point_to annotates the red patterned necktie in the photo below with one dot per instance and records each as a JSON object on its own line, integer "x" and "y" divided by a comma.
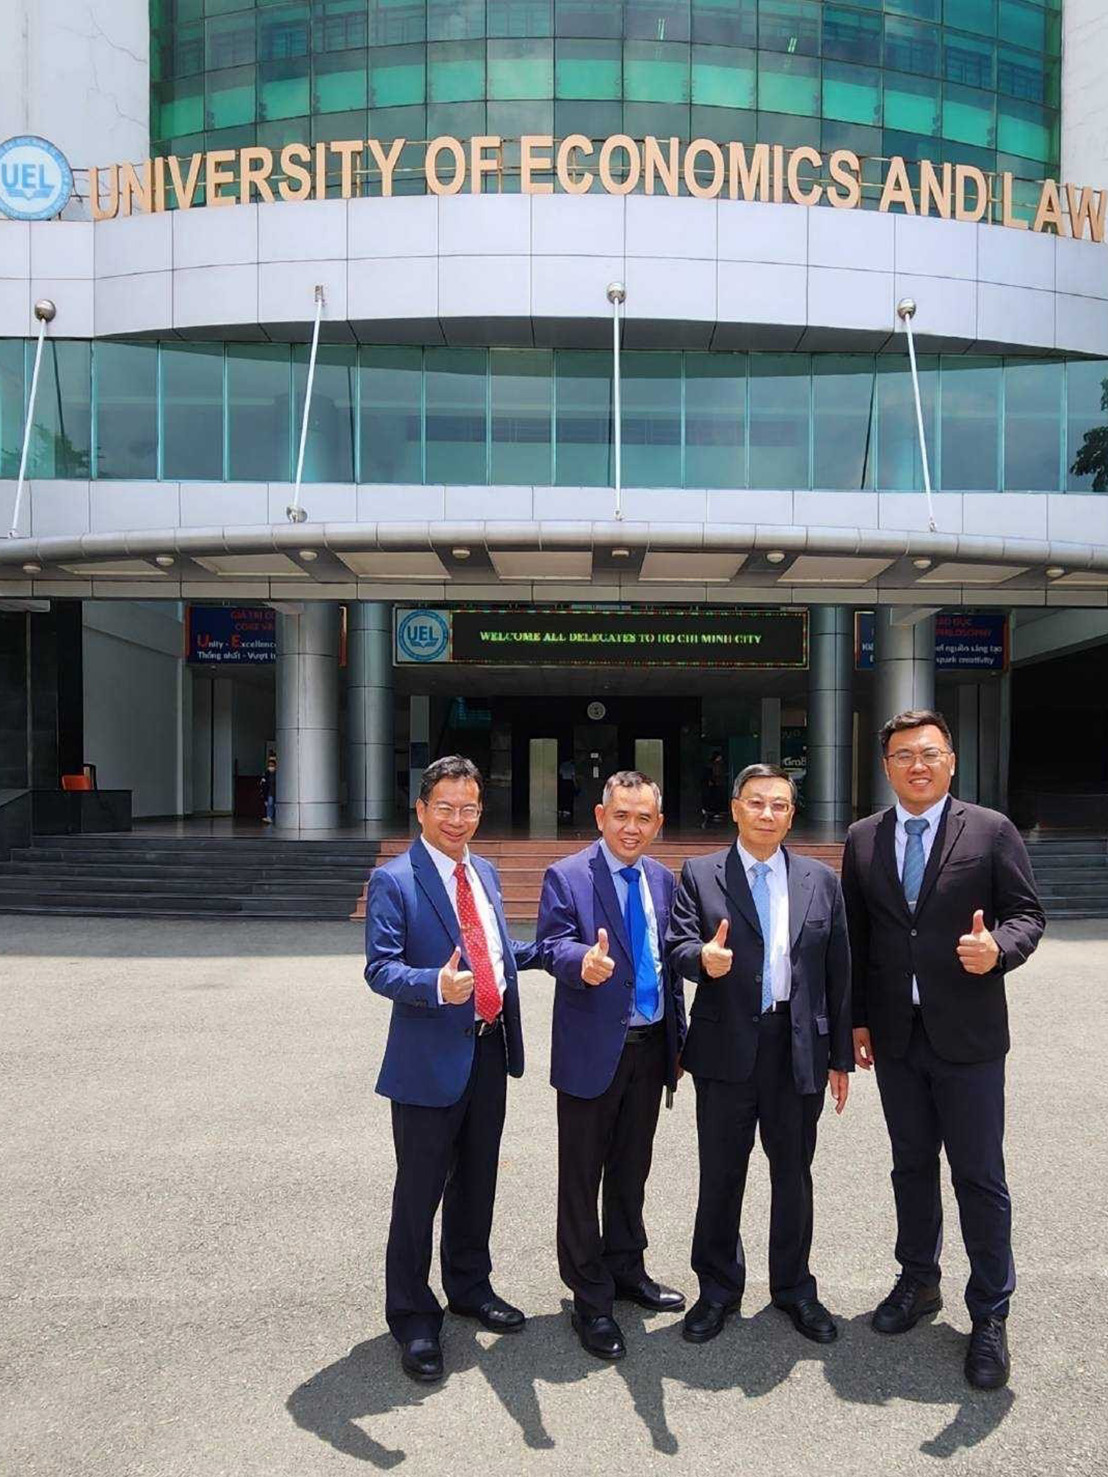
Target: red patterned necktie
{"x": 486, "y": 997}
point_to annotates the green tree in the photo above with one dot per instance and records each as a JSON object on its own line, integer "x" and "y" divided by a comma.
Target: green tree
{"x": 1092, "y": 459}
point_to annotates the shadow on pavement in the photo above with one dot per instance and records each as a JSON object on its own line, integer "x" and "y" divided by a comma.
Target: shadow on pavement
{"x": 752, "y": 1355}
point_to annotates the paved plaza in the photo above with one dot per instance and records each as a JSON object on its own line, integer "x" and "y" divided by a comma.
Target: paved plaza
{"x": 195, "y": 1190}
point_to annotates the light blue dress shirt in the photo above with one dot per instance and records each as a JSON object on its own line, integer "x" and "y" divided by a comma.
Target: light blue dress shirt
{"x": 614, "y": 865}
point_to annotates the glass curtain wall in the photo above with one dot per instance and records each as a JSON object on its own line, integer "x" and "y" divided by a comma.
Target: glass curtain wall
{"x": 964, "y": 81}
{"x": 485, "y": 417}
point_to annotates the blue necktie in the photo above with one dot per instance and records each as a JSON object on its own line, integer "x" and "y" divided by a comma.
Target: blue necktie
{"x": 646, "y": 981}
{"x": 914, "y": 860}
{"x": 762, "y": 901}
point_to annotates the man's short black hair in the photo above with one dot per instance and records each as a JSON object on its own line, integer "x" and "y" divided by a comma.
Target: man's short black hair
{"x": 452, "y": 767}
{"x": 915, "y": 718}
{"x": 630, "y": 779}
{"x": 762, "y": 772}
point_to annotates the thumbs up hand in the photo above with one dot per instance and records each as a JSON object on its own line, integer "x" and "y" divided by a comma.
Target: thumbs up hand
{"x": 455, "y": 985}
{"x": 597, "y": 965}
{"x": 715, "y": 956}
{"x": 978, "y": 950}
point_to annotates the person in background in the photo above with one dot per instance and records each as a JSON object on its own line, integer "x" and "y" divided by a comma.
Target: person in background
{"x": 269, "y": 790}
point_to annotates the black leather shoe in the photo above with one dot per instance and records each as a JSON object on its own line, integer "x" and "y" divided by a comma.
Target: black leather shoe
{"x": 908, "y": 1302}
{"x": 422, "y": 1360}
{"x": 652, "y": 1295}
{"x": 812, "y": 1319}
{"x": 705, "y": 1319}
{"x": 988, "y": 1364}
{"x": 599, "y": 1336}
{"x": 496, "y": 1315}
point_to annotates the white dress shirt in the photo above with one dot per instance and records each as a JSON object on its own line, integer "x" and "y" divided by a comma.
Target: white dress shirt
{"x": 620, "y": 883}
{"x": 900, "y": 841}
{"x": 445, "y": 865}
{"x": 777, "y": 881}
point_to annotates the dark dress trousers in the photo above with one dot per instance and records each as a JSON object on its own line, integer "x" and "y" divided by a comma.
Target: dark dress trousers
{"x": 940, "y": 1067}
{"x": 447, "y": 1085}
{"x": 609, "y": 1088}
{"x": 760, "y": 1071}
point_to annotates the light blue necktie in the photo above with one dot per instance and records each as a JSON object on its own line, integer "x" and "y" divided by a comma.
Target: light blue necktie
{"x": 646, "y": 981}
{"x": 763, "y": 902}
{"x": 914, "y": 859}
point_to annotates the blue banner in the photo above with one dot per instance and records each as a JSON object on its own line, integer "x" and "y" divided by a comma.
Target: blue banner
{"x": 965, "y": 640}
{"x": 221, "y": 635}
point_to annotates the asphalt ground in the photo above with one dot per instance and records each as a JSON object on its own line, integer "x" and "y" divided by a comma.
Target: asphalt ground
{"x": 196, "y": 1177}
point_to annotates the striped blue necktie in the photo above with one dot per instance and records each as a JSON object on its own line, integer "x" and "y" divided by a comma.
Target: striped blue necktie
{"x": 764, "y": 903}
{"x": 914, "y": 860}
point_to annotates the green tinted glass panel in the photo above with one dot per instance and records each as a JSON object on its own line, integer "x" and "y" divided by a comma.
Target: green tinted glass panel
{"x": 851, "y": 94}
{"x": 588, "y": 69}
{"x": 851, "y": 35}
{"x": 283, "y": 32}
{"x": 969, "y": 61}
{"x": 192, "y": 411}
{"x": 455, "y": 20}
{"x": 1087, "y": 426}
{"x": 1032, "y": 426}
{"x": 11, "y": 405}
{"x": 339, "y": 25}
{"x": 61, "y": 438}
{"x": 126, "y": 410}
{"x": 1025, "y": 129}
{"x": 583, "y": 391}
{"x": 258, "y": 413}
{"x": 231, "y": 98}
{"x": 329, "y": 449}
{"x": 521, "y": 69}
{"x": 283, "y": 90}
{"x": 791, "y": 26}
{"x": 971, "y": 15}
{"x": 788, "y": 84}
{"x": 457, "y": 415}
{"x": 455, "y": 73}
{"x": 396, "y": 22}
{"x": 230, "y": 41}
{"x": 911, "y": 46}
{"x": 180, "y": 107}
{"x": 522, "y": 416}
{"x": 899, "y": 468}
{"x": 843, "y": 412}
{"x": 586, "y": 18}
{"x": 519, "y": 17}
{"x": 725, "y": 22}
{"x": 924, "y": 10}
{"x": 715, "y": 420}
{"x": 340, "y": 81}
{"x": 970, "y": 425}
{"x": 655, "y": 72}
{"x": 1032, "y": 78}
{"x": 724, "y": 77}
{"x": 656, "y": 20}
{"x": 651, "y": 416}
{"x": 779, "y": 420}
{"x": 397, "y": 76}
{"x": 969, "y": 116}
{"x": 1024, "y": 25}
{"x": 391, "y": 415}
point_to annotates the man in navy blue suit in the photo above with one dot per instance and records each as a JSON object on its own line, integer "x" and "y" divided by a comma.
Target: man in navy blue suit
{"x": 763, "y": 932}
{"x": 437, "y": 946}
{"x": 619, "y": 1023}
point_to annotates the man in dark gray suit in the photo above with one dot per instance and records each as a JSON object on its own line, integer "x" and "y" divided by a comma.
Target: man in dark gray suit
{"x": 763, "y": 932}
{"x": 942, "y": 905}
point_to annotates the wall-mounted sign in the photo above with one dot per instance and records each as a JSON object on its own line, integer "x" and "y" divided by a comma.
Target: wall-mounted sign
{"x": 619, "y": 165}
{"x": 965, "y": 640}
{"x": 232, "y": 635}
{"x": 592, "y": 636}
{"x": 35, "y": 179}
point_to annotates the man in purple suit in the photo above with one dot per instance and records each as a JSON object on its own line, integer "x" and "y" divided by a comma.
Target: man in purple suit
{"x": 619, "y": 1025}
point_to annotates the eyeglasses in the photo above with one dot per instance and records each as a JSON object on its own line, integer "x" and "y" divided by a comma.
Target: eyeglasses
{"x": 904, "y": 758}
{"x": 755, "y": 807}
{"x": 443, "y": 812}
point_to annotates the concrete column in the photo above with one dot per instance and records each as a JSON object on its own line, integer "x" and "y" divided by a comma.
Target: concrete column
{"x": 904, "y": 663}
{"x": 830, "y": 715}
{"x": 369, "y": 703}
{"x": 308, "y": 718}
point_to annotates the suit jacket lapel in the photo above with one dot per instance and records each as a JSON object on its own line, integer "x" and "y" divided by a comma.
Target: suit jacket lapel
{"x": 427, "y": 875}
{"x": 800, "y": 895}
{"x": 657, "y": 896}
{"x": 885, "y": 846}
{"x": 951, "y": 824}
{"x": 732, "y": 879}
{"x": 609, "y": 902}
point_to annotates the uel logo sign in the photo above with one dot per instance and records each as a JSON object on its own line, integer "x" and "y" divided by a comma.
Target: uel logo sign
{"x": 35, "y": 179}
{"x": 422, "y": 636}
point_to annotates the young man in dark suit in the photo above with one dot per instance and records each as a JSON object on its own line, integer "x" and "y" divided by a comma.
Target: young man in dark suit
{"x": 619, "y": 1023}
{"x": 942, "y": 905}
{"x": 763, "y": 931}
{"x": 437, "y": 946}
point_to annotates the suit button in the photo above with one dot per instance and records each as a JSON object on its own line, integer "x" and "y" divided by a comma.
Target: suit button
{"x": 757, "y": 979}
{"x": 629, "y": 984}
{"x": 755, "y": 1019}
{"x": 625, "y": 1020}
{"x": 469, "y": 1030}
{"x": 915, "y": 933}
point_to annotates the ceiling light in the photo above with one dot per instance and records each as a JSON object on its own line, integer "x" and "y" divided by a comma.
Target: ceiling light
{"x": 32, "y": 569}
{"x": 1054, "y": 571}
{"x": 309, "y": 556}
{"x": 166, "y": 561}
{"x": 460, "y": 553}
{"x": 621, "y": 553}
{"x": 775, "y": 556}
{"x": 921, "y": 563}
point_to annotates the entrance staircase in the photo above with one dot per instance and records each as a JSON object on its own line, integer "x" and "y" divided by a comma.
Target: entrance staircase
{"x": 1072, "y": 874}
